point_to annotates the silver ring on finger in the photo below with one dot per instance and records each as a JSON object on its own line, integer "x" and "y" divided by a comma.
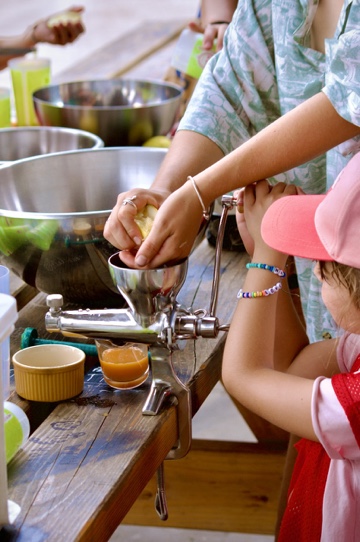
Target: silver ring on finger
{"x": 130, "y": 201}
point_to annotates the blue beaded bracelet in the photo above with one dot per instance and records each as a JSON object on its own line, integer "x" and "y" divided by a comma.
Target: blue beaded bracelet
{"x": 272, "y": 268}
{"x": 262, "y": 293}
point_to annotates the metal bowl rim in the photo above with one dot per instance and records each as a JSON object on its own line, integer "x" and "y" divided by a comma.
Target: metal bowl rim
{"x": 99, "y": 143}
{"x": 63, "y": 216}
{"x": 38, "y": 101}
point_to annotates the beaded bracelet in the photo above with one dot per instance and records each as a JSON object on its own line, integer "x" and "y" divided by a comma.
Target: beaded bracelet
{"x": 206, "y": 213}
{"x": 262, "y": 293}
{"x": 272, "y": 268}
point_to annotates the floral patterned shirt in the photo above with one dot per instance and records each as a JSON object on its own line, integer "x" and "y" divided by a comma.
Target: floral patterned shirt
{"x": 265, "y": 69}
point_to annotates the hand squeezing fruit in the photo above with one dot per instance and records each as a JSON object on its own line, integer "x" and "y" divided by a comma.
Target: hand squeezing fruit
{"x": 144, "y": 219}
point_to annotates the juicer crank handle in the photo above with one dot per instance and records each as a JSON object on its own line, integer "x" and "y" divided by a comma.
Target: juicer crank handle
{"x": 228, "y": 203}
{"x": 166, "y": 384}
{"x": 160, "y": 498}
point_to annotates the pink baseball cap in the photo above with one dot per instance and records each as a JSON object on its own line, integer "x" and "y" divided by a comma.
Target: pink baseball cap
{"x": 319, "y": 227}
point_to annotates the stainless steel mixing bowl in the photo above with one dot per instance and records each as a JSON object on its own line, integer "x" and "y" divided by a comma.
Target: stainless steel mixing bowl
{"x": 52, "y": 213}
{"x": 120, "y": 111}
{"x": 24, "y": 142}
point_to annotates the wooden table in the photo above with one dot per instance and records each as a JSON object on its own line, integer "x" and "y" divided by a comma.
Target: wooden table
{"x": 89, "y": 459}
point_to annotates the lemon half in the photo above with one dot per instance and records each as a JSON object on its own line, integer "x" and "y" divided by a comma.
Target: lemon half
{"x": 64, "y": 18}
{"x": 145, "y": 218}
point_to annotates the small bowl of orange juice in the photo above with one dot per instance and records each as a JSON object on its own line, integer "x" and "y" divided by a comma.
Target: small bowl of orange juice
{"x": 123, "y": 367}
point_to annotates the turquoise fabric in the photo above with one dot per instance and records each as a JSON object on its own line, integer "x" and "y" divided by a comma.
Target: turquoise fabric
{"x": 267, "y": 68}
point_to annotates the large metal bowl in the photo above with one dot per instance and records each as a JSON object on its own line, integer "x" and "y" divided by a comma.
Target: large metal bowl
{"x": 52, "y": 213}
{"x": 120, "y": 111}
{"x": 24, "y": 142}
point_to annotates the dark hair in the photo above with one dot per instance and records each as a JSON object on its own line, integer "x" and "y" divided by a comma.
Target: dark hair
{"x": 345, "y": 275}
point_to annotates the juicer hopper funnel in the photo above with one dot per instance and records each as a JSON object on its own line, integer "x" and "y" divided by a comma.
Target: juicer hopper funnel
{"x": 148, "y": 292}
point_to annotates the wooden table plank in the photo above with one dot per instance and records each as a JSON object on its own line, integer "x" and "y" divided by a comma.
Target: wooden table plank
{"x": 124, "y": 53}
{"x": 83, "y": 465}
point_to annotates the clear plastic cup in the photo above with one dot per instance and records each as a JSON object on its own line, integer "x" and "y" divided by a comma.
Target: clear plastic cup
{"x": 123, "y": 367}
{"x": 5, "y": 108}
{"x": 189, "y": 56}
{"x": 28, "y": 75}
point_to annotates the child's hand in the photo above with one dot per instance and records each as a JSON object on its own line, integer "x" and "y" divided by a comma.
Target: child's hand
{"x": 241, "y": 222}
{"x": 257, "y": 199}
{"x": 212, "y": 33}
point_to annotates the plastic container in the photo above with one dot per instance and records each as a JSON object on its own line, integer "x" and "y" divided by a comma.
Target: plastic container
{"x": 5, "y": 108}
{"x": 189, "y": 56}
{"x": 28, "y": 75}
{"x": 8, "y": 316}
{"x": 17, "y": 429}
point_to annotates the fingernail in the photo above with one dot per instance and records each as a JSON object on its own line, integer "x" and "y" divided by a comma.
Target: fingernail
{"x": 137, "y": 241}
{"x": 141, "y": 260}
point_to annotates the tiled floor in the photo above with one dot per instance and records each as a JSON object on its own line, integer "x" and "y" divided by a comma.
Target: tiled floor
{"x": 105, "y": 21}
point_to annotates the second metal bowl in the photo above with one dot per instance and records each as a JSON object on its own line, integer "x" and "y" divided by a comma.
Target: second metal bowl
{"x": 24, "y": 142}
{"x": 120, "y": 111}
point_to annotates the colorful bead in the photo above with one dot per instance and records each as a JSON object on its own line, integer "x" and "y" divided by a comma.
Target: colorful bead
{"x": 263, "y": 293}
{"x": 272, "y": 268}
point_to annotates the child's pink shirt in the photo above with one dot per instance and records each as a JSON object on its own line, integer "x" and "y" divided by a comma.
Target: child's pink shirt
{"x": 341, "y": 503}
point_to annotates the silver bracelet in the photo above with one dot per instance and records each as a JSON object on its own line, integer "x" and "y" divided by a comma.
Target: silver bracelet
{"x": 205, "y": 213}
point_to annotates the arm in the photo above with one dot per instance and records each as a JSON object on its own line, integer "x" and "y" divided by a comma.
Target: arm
{"x": 307, "y": 131}
{"x": 39, "y": 32}
{"x": 189, "y": 154}
{"x": 213, "y": 11}
{"x": 267, "y": 365}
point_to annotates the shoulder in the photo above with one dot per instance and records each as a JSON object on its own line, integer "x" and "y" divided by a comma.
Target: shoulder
{"x": 348, "y": 350}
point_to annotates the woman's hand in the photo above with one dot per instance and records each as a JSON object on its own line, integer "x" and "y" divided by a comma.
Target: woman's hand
{"x": 120, "y": 229}
{"x": 60, "y": 33}
{"x": 173, "y": 233}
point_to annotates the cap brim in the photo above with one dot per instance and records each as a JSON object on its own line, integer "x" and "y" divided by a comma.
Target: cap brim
{"x": 288, "y": 226}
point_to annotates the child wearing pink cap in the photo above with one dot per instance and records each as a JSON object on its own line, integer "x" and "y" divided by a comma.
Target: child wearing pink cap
{"x": 311, "y": 390}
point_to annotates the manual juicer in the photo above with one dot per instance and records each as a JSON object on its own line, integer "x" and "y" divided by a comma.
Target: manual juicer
{"x": 153, "y": 318}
